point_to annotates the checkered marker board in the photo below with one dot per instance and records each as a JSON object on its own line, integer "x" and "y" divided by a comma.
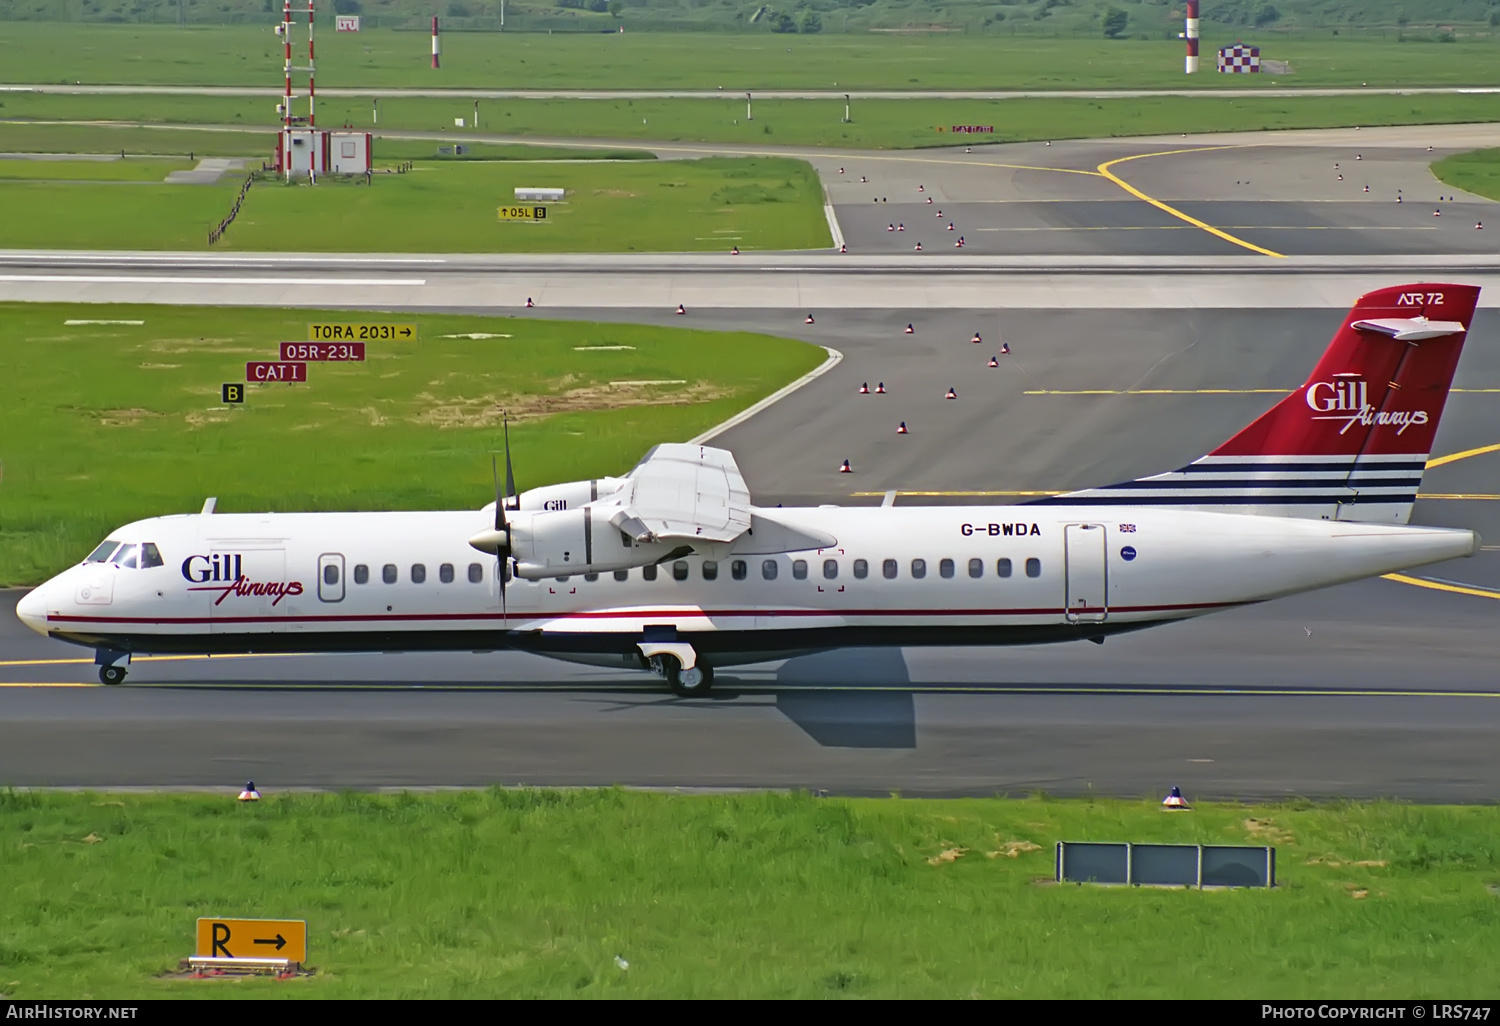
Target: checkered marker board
{"x": 1239, "y": 59}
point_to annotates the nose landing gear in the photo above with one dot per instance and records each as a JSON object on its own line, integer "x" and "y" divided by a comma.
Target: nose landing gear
{"x": 111, "y": 665}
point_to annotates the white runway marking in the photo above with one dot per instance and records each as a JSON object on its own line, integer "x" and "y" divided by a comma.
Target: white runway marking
{"x": 136, "y": 279}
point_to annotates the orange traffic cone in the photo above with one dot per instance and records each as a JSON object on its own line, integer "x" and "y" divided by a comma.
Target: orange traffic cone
{"x": 900, "y": 227}
{"x": 909, "y": 330}
{"x": 1367, "y": 188}
{"x": 902, "y": 429}
{"x": 862, "y": 178}
{"x": 976, "y": 339}
{"x": 890, "y": 227}
{"x": 864, "y": 389}
{"x": 735, "y": 251}
{"x": 951, "y": 394}
{"x": 921, "y": 188}
{"x": 529, "y": 303}
{"x": 846, "y": 469}
{"x": 929, "y": 199}
{"x": 950, "y": 226}
{"x": 841, "y": 170}
{"x": 843, "y": 247}
{"x": 880, "y": 388}
{"x": 994, "y": 362}
{"x": 918, "y": 247}
{"x": 1341, "y": 178}
{"x": 1004, "y": 348}
{"x": 939, "y": 213}
{"x": 1175, "y": 800}
{"x": 681, "y": 309}
{"x": 808, "y": 319}
{"x": 1437, "y": 213}
{"x": 1359, "y": 156}
{"x": 249, "y": 794}
{"x": 1479, "y": 225}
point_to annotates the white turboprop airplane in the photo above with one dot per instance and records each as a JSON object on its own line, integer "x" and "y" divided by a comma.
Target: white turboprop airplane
{"x": 672, "y": 568}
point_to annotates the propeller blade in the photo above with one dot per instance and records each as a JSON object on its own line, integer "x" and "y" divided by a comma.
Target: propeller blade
{"x": 495, "y": 477}
{"x": 510, "y": 477}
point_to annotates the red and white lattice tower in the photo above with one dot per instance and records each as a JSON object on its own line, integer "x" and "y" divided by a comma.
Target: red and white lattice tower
{"x": 1190, "y": 33}
{"x": 297, "y": 130}
{"x": 434, "y": 41}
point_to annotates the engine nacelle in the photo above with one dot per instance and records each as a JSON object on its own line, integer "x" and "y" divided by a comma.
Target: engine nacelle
{"x": 577, "y": 541}
{"x": 569, "y": 495}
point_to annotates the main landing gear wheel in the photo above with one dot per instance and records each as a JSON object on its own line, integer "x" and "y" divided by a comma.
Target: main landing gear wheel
{"x": 687, "y": 683}
{"x": 112, "y": 674}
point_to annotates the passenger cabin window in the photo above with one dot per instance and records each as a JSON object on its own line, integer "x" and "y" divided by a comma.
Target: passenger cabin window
{"x": 445, "y": 573}
{"x": 1002, "y": 567}
{"x": 738, "y": 569}
{"x": 476, "y": 573}
{"x": 888, "y": 568}
{"x": 331, "y": 574}
{"x": 361, "y": 574}
{"x": 103, "y": 552}
{"x": 768, "y": 569}
{"x": 919, "y": 568}
{"x": 799, "y": 569}
{"x": 648, "y": 573}
{"x": 861, "y": 568}
{"x": 128, "y": 556}
{"x": 150, "y": 556}
{"x": 680, "y": 570}
{"x": 976, "y": 568}
{"x": 945, "y": 568}
{"x": 388, "y": 573}
{"x": 622, "y": 575}
{"x": 419, "y": 573}
{"x": 710, "y": 570}
{"x": 1033, "y": 567}
{"x": 830, "y": 569}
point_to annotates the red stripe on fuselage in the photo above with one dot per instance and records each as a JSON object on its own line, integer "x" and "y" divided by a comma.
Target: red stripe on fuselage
{"x": 623, "y": 614}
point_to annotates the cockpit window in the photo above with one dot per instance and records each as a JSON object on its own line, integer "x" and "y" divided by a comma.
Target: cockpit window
{"x": 150, "y": 556}
{"x": 103, "y": 552}
{"x": 128, "y": 556}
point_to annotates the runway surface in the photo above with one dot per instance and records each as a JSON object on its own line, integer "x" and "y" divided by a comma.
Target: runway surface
{"x": 1135, "y": 352}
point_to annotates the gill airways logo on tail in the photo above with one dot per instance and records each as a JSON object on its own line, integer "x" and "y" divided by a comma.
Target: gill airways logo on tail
{"x": 1349, "y": 401}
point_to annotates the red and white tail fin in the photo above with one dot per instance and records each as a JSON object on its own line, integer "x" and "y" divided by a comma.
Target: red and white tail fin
{"x": 1352, "y": 442}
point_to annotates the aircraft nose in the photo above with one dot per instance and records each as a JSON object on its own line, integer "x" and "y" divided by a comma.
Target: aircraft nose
{"x": 32, "y": 609}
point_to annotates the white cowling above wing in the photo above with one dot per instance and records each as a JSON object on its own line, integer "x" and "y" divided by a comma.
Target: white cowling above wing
{"x": 688, "y": 493}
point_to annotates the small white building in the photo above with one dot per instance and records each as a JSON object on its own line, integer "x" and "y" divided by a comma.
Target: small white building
{"x": 349, "y": 153}
{"x": 542, "y": 195}
{"x": 301, "y": 151}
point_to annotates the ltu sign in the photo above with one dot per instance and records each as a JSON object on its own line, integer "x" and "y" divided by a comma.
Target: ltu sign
{"x": 346, "y": 23}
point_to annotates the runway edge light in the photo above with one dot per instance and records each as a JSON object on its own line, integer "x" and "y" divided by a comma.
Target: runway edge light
{"x": 1175, "y": 800}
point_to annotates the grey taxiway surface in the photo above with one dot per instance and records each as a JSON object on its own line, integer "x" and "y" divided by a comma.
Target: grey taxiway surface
{"x": 1123, "y": 362}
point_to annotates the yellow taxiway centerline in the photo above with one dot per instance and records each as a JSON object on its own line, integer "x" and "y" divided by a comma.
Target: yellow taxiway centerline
{"x": 1104, "y": 169}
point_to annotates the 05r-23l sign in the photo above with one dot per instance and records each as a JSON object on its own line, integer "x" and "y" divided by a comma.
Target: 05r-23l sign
{"x": 523, "y": 213}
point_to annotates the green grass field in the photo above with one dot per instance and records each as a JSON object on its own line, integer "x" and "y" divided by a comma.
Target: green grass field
{"x": 101, "y": 424}
{"x": 536, "y": 893}
{"x": 249, "y": 55}
{"x": 1477, "y": 172}
{"x": 439, "y": 206}
{"x": 877, "y": 124}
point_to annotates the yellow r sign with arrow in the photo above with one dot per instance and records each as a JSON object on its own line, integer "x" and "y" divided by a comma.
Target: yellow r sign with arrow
{"x": 253, "y": 938}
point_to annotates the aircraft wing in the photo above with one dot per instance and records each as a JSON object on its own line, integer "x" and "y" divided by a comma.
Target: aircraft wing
{"x": 687, "y": 492}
